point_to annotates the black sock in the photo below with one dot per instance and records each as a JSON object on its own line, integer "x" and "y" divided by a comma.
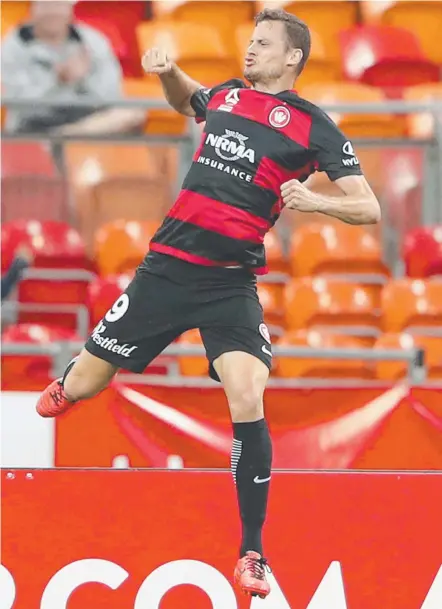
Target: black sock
{"x": 251, "y": 462}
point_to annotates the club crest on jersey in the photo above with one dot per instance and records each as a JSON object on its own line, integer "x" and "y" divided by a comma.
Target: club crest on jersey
{"x": 264, "y": 331}
{"x": 279, "y": 117}
{"x": 231, "y": 146}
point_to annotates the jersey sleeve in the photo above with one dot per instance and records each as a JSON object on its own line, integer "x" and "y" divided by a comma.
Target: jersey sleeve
{"x": 201, "y": 98}
{"x": 333, "y": 151}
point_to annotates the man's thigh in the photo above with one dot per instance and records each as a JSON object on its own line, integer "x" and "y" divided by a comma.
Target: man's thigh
{"x": 142, "y": 322}
{"x": 236, "y": 325}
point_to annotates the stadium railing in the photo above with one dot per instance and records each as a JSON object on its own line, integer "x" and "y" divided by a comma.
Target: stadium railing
{"x": 62, "y": 353}
{"x": 430, "y": 211}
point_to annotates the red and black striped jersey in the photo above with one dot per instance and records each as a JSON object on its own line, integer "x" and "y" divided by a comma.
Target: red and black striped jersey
{"x": 252, "y": 143}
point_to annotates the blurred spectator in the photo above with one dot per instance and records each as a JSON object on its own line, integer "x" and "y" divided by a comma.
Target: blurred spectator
{"x": 52, "y": 58}
{"x": 23, "y": 259}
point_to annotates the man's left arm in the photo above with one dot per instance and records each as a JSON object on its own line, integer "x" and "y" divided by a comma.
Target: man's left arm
{"x": 357, "y": 204}
{"x": 334, "y": 154}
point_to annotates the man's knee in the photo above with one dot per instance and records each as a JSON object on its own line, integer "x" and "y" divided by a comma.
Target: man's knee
{"x": 87, "y": 377}
{"x": 246, "y": 405}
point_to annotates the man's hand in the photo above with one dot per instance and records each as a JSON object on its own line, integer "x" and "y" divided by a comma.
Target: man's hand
{"x": 296, "y": 196}
{"x": 75, "y": 68}
{"x": 156, "y": 61}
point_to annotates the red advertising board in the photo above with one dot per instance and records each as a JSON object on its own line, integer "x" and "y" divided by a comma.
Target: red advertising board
{"x": 316, "y": 428}
{"x": 139, "y": 539}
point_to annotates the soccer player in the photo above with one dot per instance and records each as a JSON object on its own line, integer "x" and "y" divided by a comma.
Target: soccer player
{"x": 259, "y": 145}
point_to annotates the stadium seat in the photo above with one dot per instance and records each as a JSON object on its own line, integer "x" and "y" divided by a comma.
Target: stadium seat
{"x": 192, "y": 365}
{"x": 338, "y": 307}
{"x": 423, "y": 18}
{"x": 413, "y": 305}
{"x": 102, "y": 293}
{"x": 207, "y": 13}
{"x": 340, "y": 251}
{"x": 33, "y": 367}
{"x": 124, "y": 16}
{"x": 54, "y": 291}
{"x": 395, "y": 370}
{"x": 12, "y": 14}
{"x": 276, "y": 261}
{"x": 385, "y": 57}
{"x": 114, "y": 181}
{"x": 401, "y": 174}
{"x": 320, "y": 67}
{"x": 421, "y": 125}
{"x": 114, "y": 36}
{"x": 55, "y": 244}
{"x": 372, "y": 10}
{"x": 353, "y": 124}
{"x": 271, "y": 297}
{"x": 31, "y": 185}
{"x": 121, "y": 245}
{"x": 422, "y": 252}
{"x": 198, "y": 49}
{"x": 55, "y": 297}
{"x": 324, "y": 17}
{"x": 323, "y": 368}
{"x": 158, "y": 122}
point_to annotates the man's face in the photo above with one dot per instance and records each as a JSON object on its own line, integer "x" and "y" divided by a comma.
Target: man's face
{"x": 268, "y": 53}
{"x": 52, "y": 16}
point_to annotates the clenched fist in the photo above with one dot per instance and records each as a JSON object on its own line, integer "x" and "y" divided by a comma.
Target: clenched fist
{"x": 297, "y": 196}
{"x": 156, "y": 61}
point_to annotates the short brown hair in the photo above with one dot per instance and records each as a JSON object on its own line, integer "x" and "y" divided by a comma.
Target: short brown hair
{"x": 298, "y": 33}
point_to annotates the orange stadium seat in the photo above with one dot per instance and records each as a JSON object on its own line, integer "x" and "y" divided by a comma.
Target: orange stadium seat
{"x": 324, "y": 17}
{"x": 414, "y": 305}
{"x": 386, "y": 57}
{"x": 214, "y": 13}
{"x": 422, "y": 252}
{"x": 271, "y": 297}
{"x": 32, "y": 366}
{"x": 421, "y": 125}
{"x": 422, "y": 17}
{"x": 340, "y": 251}
{"x": 121, "y": 245}
{"x": 158, "y": 122}
{"x": 31, "y": 185}
{"x": 192, "y": 365}
{"x": 102, "y": 293}
{"x": 372, "y": 10}
{"x": 394, "y": 370}
{"x": 276, "y": 260}
{"x": 114, "y": 181}
{"x": 352, "y": 124}
{"x": 198, "y": 49}
{"x": 339, "y": 307}
{"x": 320, "y": 67}
{"x": 323, "y": 368}
{"x": 13, "y": 13}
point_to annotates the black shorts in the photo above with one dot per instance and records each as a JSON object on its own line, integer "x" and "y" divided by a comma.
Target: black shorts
{"x": 166, "y": 298}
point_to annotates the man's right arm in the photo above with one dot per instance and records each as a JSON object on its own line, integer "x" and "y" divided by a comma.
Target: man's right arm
{"x": 178, "y": 87}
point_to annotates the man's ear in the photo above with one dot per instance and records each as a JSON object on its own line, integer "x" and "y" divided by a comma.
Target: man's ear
{"x": 294, "y": 58}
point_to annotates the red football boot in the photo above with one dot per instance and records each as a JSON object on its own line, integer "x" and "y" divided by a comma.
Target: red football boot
{"x": 53, "y": 401}
{"x": 250, "y": 575}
